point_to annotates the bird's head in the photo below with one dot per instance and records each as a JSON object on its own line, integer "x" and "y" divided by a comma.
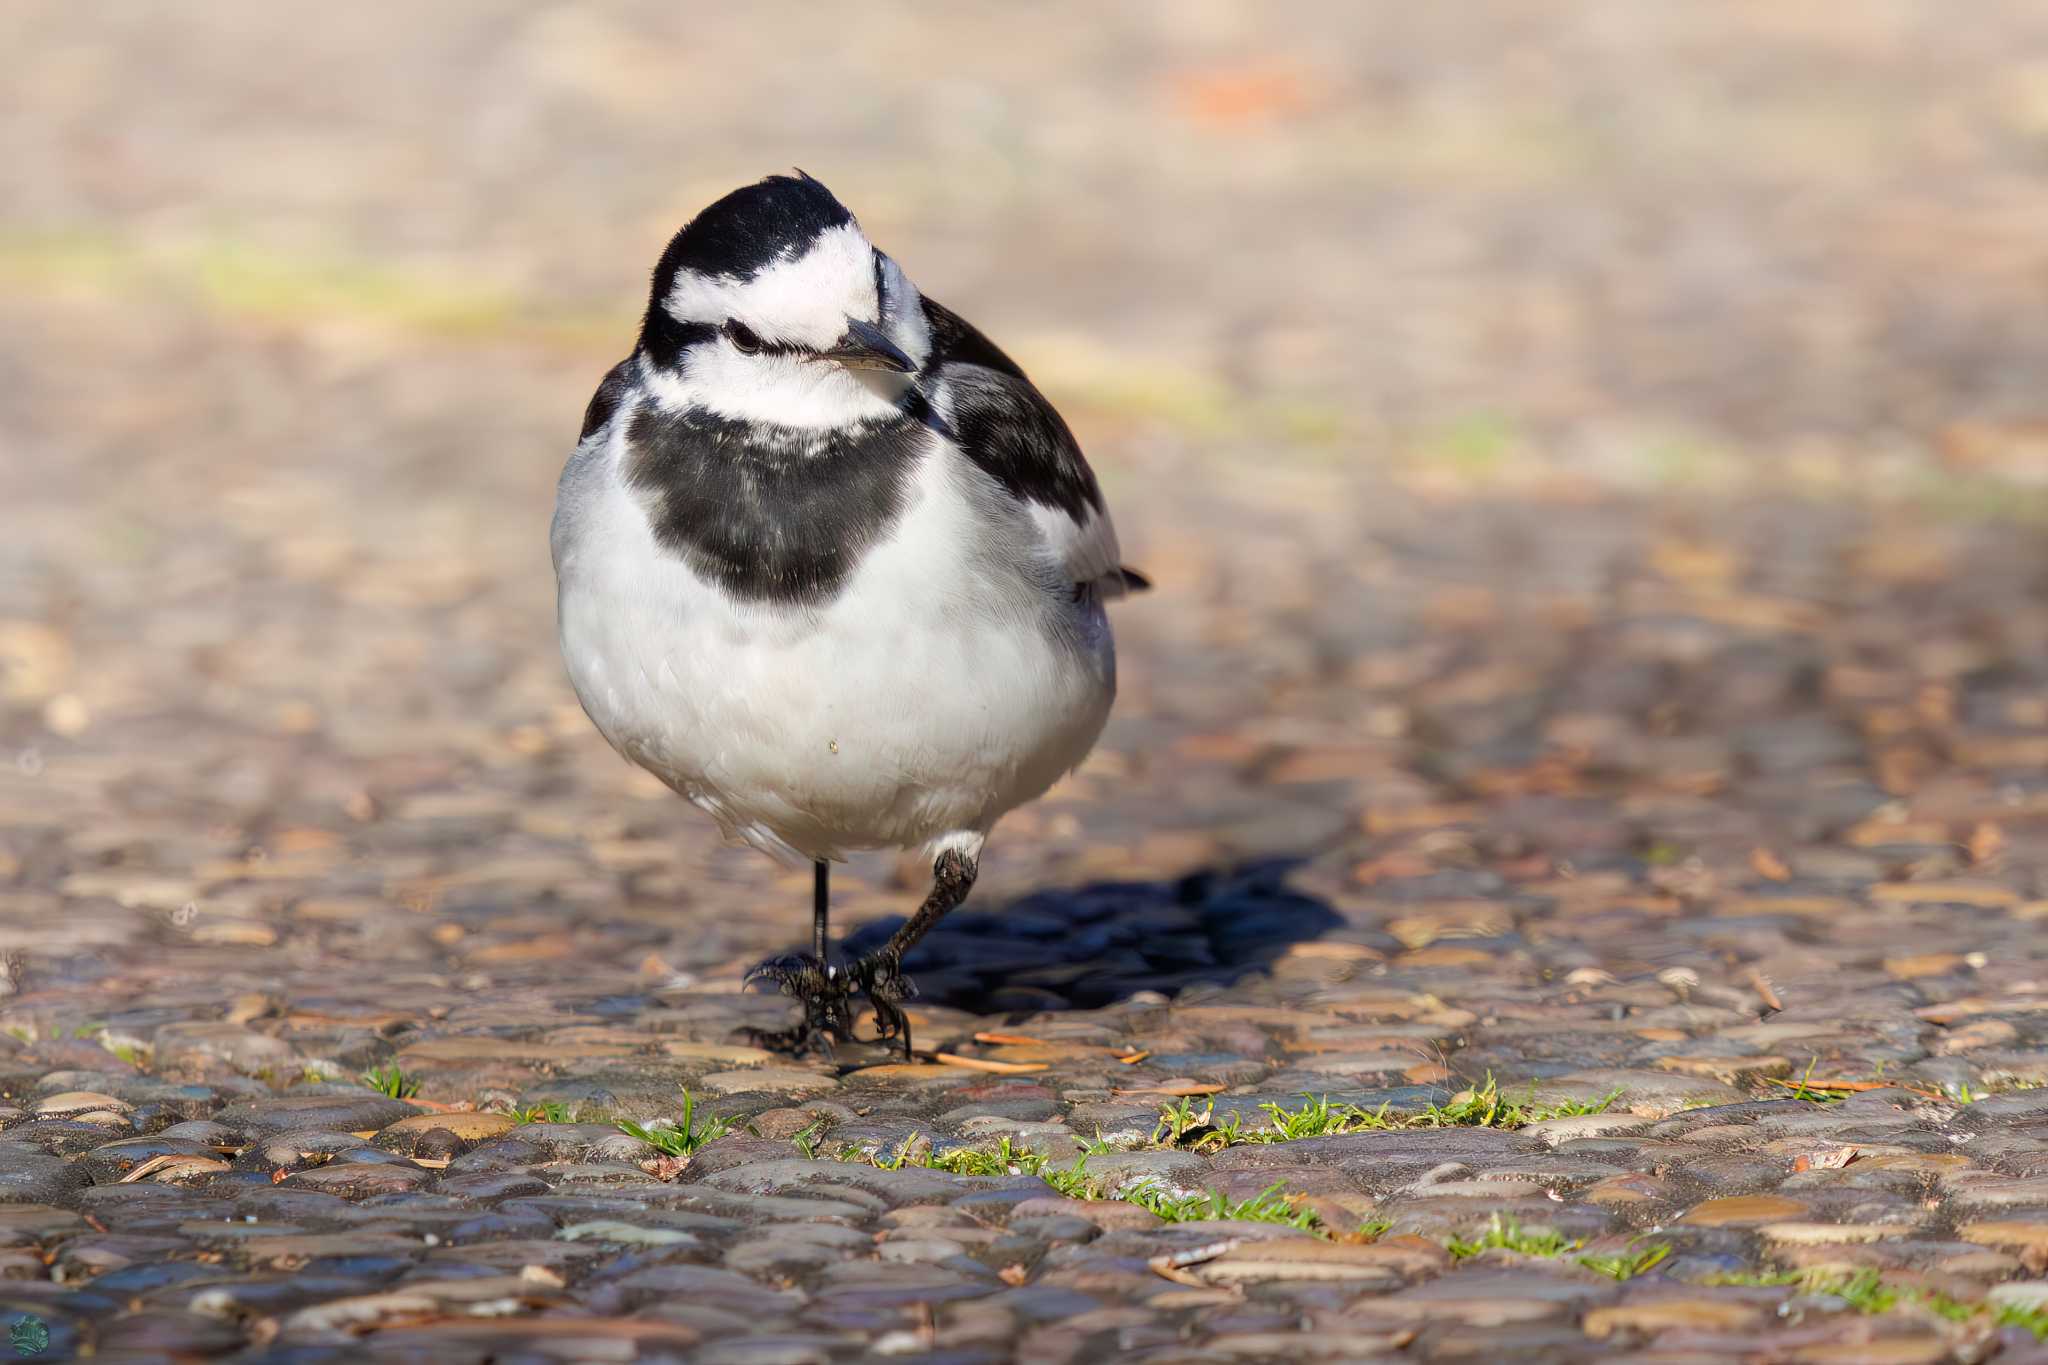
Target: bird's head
{"x": 771, "y": 306}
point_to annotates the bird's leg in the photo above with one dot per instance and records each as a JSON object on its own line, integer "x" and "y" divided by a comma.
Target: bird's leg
{"x": 821, "y": 907}
{"x": 822, "y": 989}
{"x": 879, "y": 975}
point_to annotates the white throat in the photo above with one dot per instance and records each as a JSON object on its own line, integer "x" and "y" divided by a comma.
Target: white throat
{"x": 780, "y": 390}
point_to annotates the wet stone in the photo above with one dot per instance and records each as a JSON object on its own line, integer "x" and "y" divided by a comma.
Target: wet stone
{"x": 110, "y": 1161}
{"x": 30, "y": 1176}
{"x": 314, "y": 1113}
{"x": 304, "y": 1149}
{"x": 407, "y": 1135}
{"x": 67, "y": 1137}
{"x": 167, "y": 1333}
{"x": 361, "y": 1180}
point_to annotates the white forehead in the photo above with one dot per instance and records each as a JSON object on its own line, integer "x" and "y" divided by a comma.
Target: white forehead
{"x": 804, "y": 300}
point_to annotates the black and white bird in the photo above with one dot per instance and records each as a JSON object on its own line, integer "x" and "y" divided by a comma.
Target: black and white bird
{"x": 830, "y": 567}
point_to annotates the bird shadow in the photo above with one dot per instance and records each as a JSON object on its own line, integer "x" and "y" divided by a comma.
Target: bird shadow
{"x": 1088, "y": 946}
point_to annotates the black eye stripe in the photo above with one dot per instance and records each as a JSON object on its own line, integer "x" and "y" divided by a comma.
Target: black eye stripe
{"x": 748, "y": 342}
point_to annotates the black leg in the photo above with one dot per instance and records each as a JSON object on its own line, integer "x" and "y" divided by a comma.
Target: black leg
{"x": 823, "y": 991}
{"x": 821, "y": 907}
{"x": 880, "y": 974}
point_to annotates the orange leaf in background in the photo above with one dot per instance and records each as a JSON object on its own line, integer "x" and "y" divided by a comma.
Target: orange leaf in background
{"x": 1179, "y": 1088}
{"x": 1694, "y": 564}
{"x": 1769, "y": 864}
{"x": 1406, "y": 819}
{"x": 1986, "y": 842}
{"x": 1010, "y": 1039}
{"x": 1232, "y": 97}
{"x": 1395, "y": 865}
{"x": 1764, "y": 990}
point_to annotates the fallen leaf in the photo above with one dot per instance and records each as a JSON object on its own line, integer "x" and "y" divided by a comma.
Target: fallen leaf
{"x": 1010, "y": 1039}
{"x": 1229, "y": 97}
{"x": 1810, "y": 1083}
{"x": 1849, "y": 1087}
{"x": 178, "y": 1163}
{"x": 1762, "y": 985}
{"x": 1827, "y": 1159}
{"x": 1174, "y": 1088}
{"x": 1173, "y": 1265}
{"x": 1986, "y": 842}
{"x": 1134, "y": 1057}
{"x": 1768, "y": 864}
{"x": 985, "y": 1064}
{"x": 1013, "y": 1275}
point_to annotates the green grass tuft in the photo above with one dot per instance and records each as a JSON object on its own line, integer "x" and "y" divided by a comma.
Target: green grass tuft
{"x": 1505, "y": 1234}
{"x": 1626, "y": 1265}
{"x": 2034, "y": 1320}
{"x": 547, "y": 1111}
{"x": 1004, "y": 1160}
{"x": 805, "y": 1139}
{"x": 1801, "y": 1091}
{"x": 679, "y": 1140}
{"x": 1867, "y": 1292}
{"x": 1482, "y": 1106}
{"x": 1270, "y": 1205}
{"x": 391, "y": 1082}
{"x": 1963, "y": 1093}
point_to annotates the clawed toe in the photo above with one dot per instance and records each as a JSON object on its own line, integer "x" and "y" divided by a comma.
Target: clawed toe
{"x": 797, "y": 974}
{"x": 823, "y": 994}
{"x": 826, "y": 994}
{"x": 882, "y": 981}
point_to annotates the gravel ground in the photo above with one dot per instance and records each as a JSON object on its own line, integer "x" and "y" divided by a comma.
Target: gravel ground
{"x": 1565, "y": 877}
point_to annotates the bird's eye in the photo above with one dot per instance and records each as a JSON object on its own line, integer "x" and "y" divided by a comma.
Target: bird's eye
{"x": 743, "y": 338}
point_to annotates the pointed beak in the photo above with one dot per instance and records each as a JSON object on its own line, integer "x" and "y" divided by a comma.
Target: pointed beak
{"x": 867, "y": 347}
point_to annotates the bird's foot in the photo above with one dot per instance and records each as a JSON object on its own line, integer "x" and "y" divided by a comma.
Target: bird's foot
{"x": 881, "y": 979}
{"x": 822, "y": 990}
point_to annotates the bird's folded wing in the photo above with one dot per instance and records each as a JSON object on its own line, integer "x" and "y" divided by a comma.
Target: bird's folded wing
{"x": 1009, "y": 430}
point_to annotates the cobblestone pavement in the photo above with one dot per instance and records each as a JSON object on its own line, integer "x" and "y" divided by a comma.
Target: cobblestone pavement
{"x": 1564, "y": 880}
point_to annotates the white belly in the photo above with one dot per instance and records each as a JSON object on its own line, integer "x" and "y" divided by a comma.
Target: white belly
{"x": 940, "y": 689}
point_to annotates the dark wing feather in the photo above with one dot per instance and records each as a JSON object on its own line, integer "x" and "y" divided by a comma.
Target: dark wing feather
{"x": 957, "y": 341}
{"x": 1008, "y": 429}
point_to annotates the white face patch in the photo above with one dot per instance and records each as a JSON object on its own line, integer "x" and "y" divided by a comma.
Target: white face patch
{"x": 775, "y": 390}
{"x": 801, "y": 302}
{"x": 903, "y": 312}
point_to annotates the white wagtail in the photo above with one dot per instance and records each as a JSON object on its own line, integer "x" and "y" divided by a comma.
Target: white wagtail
{"x": 830, "y": 567}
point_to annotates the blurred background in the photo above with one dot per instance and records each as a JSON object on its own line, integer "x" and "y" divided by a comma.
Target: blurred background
{"x": 1517, "y": 401}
